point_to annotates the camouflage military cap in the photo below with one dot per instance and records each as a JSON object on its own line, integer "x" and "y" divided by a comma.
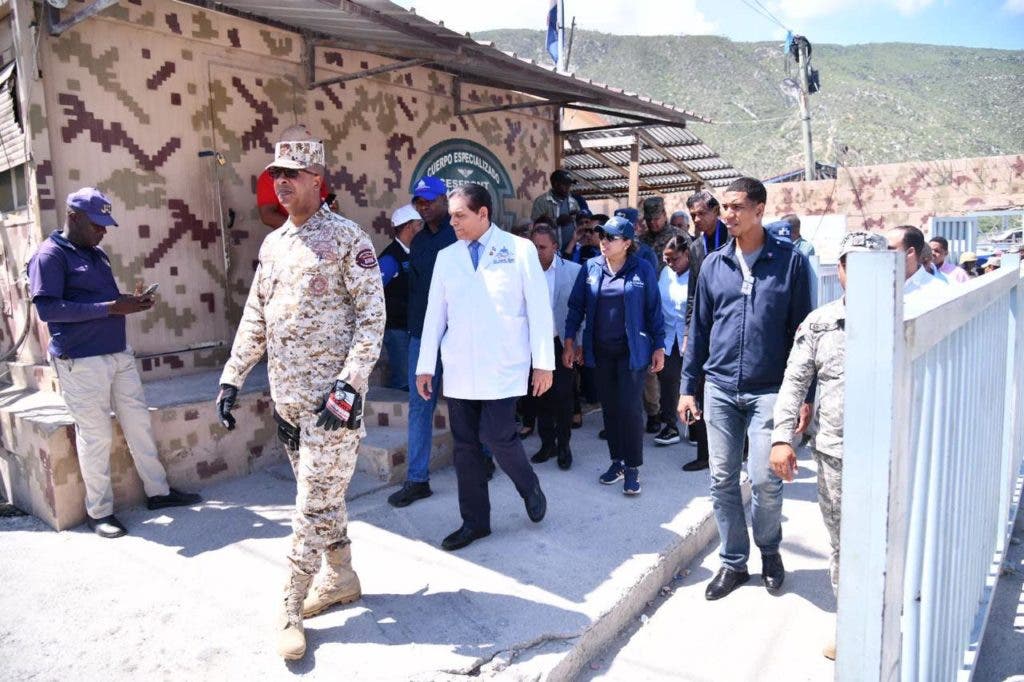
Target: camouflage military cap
{"x": 653, "y": 206}
{"x": 862, "y": 241}
{"x": 298, "y": 154}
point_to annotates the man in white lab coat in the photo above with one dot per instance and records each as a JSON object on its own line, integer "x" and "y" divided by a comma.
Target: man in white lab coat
{"x": 489, "y": 313}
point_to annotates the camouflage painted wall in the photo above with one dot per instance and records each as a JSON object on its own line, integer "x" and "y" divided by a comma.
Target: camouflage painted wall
{"x": 130, "y": 98}
{"x": 880, "y": 197}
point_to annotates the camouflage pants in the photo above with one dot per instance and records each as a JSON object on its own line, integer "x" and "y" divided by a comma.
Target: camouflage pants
{"x": 830, "y": 498}
{"x": 323, "y": 467}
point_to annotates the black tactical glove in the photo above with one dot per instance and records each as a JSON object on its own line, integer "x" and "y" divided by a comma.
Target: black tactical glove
{"x": 287, "y": 432}
{"x": 342, "y": 407}
{"x": 225, "y": 403}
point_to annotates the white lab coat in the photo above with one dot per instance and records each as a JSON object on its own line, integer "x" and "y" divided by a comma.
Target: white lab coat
{"x": 489, "y": 323}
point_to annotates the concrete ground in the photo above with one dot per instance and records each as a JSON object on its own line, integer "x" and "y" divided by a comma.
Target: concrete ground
{"x": 193, "y": 593}
{"x": 1001, "y": 656}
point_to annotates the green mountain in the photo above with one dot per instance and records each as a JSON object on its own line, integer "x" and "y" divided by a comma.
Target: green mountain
{"x": 879, "y": 103}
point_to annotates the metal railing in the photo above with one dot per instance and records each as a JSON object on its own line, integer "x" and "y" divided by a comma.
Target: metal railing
{"x": 825, "y": 286}
{"x": 934, "y": 423}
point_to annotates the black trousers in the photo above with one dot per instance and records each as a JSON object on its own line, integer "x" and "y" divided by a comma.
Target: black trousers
{"x": 669, "y": 378}
{"x": 553, "y": 410}
{"x": 699, "y": 428}
{"x": 621, "y": 390}
{"x": 491, "y": 423}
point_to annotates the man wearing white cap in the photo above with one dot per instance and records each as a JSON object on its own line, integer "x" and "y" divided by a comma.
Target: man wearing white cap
{"x": 394, "y": 271}
{"x": 316, "y": 308}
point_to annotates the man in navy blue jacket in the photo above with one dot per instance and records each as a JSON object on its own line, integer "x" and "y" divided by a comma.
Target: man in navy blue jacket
{"x": 752, "y": 295}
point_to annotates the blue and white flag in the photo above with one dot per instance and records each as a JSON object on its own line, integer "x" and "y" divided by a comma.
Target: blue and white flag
{"x": 554, "y": 44}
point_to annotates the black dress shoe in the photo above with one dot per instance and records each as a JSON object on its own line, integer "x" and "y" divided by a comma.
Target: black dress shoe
{"x": 536, "y": 504}
{"x": 696, "y": 465}
{"x": 490, "y": 466}
{"x": 462, "y": 537}
{"x": 773, "y": 573}
{"x": 173, "y": 498}
{"x": 106, "y": 527}
{"x": 724, "y": 582}
{"x": 564, "y": 458}
{"x": 544, "y": 454}
{"x": 602, "y": 434}
{"x": 409, "y": 493}
{"x": 653, "y": 425}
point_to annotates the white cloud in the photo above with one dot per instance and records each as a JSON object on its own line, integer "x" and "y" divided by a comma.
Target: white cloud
{"x": 625, "y": 17}
{"x": 908, "y": 7}
{"x": 1014, "y": 6}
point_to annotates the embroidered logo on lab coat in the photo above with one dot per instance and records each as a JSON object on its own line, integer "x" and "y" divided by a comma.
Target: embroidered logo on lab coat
{"x": 501, "y": 256}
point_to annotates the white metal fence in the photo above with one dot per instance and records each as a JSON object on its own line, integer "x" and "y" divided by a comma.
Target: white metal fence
{"x": 825, "y": 282}
{"x": 933, "y": 445}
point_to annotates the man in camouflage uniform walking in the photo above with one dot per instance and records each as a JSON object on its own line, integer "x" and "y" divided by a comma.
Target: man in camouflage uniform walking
{"x": 316, "y": 307}
{"x": 819, "y": 351}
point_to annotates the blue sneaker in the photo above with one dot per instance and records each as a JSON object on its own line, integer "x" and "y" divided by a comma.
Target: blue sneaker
{"x": 631, "y": 486}
{"x": 613, "y": 474}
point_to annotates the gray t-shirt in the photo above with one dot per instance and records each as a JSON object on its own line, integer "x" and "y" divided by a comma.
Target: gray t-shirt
{"x": 749, "y": 258}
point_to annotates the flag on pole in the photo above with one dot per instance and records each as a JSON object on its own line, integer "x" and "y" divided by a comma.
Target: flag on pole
{"x": 554, "y": 43}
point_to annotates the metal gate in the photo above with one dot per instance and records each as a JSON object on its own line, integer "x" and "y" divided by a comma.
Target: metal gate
{"x": 960, "y": 231}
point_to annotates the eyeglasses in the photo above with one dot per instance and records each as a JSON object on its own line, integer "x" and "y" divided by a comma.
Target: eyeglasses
{"x": 290, "y": 173}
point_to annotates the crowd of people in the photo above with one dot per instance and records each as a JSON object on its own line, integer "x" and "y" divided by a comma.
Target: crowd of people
{"x": 699, "y": 321}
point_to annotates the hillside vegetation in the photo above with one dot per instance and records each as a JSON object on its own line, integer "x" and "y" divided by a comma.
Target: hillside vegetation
{"x": 879, "y": 103}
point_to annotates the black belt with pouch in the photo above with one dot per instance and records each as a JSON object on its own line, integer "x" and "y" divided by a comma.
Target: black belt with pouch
{"x": 287, "y": 433}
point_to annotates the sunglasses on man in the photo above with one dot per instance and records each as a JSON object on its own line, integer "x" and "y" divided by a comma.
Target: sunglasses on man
{"x": 290, "y": 173}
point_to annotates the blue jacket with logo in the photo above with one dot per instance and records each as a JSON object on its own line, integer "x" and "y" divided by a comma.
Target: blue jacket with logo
{"x": 741, "y": 342}
{"x": 645, "y": 325}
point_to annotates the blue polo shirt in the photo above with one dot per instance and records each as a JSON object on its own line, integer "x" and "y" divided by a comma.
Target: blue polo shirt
{"x": 740, "y": 337}
{"x": 610, "y": 317}
{"x": 70, "y": 287}
{"x": 422, "y": 256}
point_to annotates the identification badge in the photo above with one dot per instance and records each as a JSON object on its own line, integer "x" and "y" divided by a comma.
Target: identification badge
{"x": 747, "y": 288}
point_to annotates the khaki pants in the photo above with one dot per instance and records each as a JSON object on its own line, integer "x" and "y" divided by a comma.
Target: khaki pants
{"x": 91, "y": 387}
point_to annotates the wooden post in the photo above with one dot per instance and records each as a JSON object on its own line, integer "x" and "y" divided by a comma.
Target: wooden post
{"x": 634, "y": 173}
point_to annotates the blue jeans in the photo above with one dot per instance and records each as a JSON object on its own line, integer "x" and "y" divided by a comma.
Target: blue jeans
{"x": 396, "y": 342}
{"x": 728, "y": 417}
{"x": 421, "y": 417}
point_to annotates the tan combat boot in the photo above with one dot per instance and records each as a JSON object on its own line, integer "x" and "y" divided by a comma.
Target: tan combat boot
{"x": 337, "y": 583}
{"x": 291, "y": 638}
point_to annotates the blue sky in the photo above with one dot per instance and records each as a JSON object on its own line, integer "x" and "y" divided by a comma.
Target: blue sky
{"x": 984, "y": 23}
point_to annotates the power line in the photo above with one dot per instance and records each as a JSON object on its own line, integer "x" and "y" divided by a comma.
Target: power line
{"x": 773, "y": 17}
{"x": 763, "y": 11}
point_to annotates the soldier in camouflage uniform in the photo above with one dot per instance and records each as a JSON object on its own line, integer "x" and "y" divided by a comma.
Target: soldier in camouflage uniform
{"x": 819, "y": 351}
{"x": 316, "y": 307}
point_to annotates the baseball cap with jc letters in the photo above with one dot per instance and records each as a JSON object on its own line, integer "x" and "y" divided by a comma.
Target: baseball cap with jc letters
{"x": 617, "y": 226}
{"x": 429, "y": 187}
{"x": 94, "y": 204}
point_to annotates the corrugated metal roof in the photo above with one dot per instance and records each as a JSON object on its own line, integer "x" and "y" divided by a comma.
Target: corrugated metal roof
{"x": 384, "y": 28}
{"x": 600, "y": 160}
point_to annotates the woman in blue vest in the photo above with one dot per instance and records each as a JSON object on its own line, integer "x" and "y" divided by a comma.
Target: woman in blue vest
{"x": 616, "y": 295}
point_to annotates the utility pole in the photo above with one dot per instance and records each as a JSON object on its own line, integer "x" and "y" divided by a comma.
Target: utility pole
{"x": 803, "y": 49}
{"x": 568, "y": 49}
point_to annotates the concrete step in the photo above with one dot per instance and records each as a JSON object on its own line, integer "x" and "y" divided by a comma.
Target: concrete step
{"x": 383, "y": 453}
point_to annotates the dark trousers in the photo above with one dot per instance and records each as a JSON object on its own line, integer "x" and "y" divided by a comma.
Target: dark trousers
{"x": 621, "y": 391}
{"x": 553, "y": 410}
{"x": 669, "y": 378}
{"x": 490, "y": 423}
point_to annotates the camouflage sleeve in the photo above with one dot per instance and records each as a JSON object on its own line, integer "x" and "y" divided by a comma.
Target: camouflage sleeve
{"x": 363, "y": 281}
{"x": 251, "y": 338}
{"x": 800, "y": 372}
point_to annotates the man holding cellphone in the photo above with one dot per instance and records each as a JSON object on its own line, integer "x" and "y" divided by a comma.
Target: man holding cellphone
{"x": 74, "y": 291}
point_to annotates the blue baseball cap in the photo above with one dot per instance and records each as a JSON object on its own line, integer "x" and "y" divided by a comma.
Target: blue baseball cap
{"x": 618, "y": 226}
{"x": 429, "y": 187}
{"x": 94, "y": 204}
{"x": 780, "y": 229}
{"x": 630, "y": 214}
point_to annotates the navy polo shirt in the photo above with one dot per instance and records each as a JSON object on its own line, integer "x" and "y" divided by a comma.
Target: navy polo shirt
{"x": 71, "y": 287}
{"x": 610, "y": 317}
{"x": 422, "y": 256}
